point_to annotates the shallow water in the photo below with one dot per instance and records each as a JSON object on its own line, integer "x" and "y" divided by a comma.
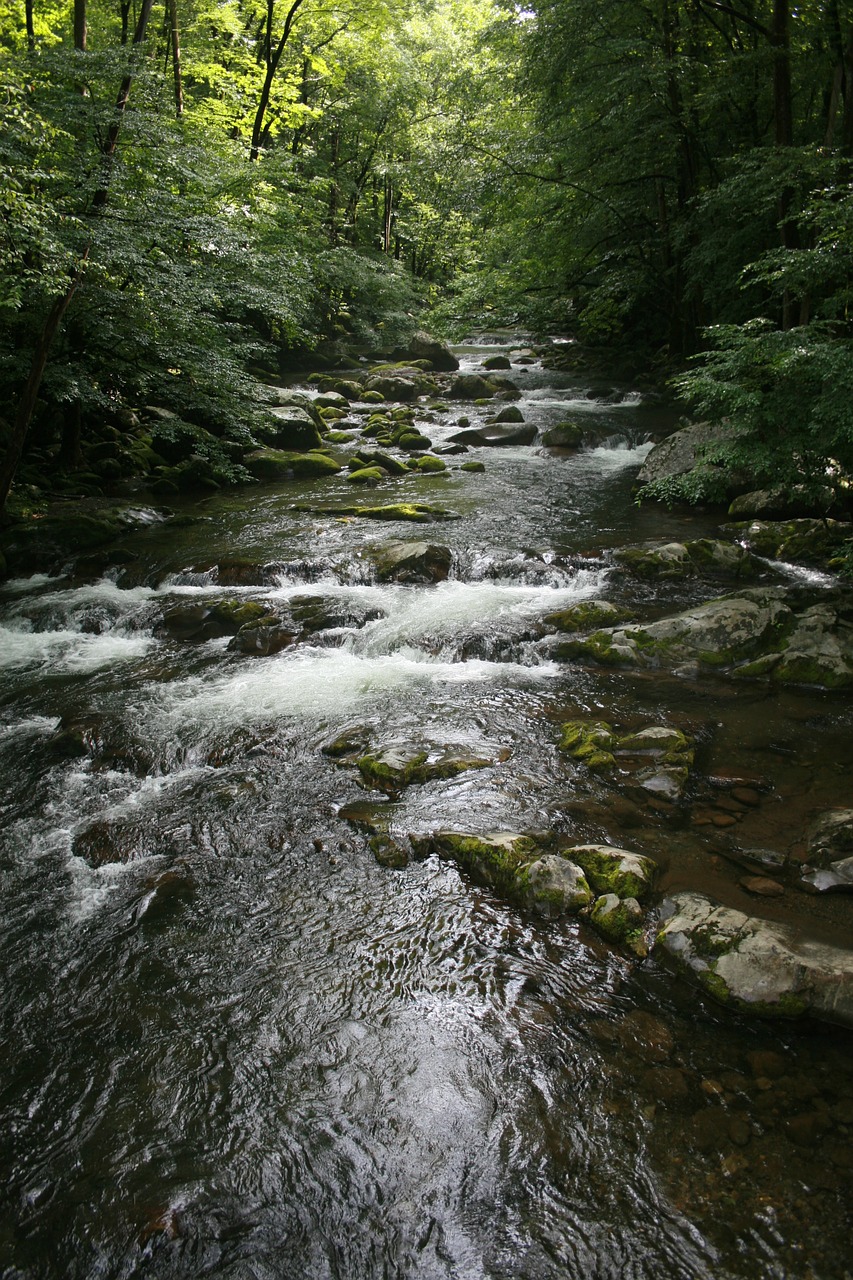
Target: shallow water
{"x": 238, "y": 1047}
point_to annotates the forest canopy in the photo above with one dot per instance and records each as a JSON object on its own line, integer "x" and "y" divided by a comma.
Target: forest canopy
{"x": 197, "y": 194}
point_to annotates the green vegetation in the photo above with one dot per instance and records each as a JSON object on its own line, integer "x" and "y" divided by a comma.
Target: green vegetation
{"x": 231, "y": 188}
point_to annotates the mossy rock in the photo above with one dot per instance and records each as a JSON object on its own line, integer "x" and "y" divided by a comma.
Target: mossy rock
{"x": 367, "y": 476}
{"x": 392, "y": 769}
{"x": 565, "y": 435}
{"x": 196, "y": 623}
{"x": 590, "y": 744}
{"x": 612, "y": 870}
{"x": 472, "y": 467}
{"x": 412, "y": 440}
{"x": 340, "y": 437}
{"x": 431, "y": 465}
{"x": 554, "y": 885}
{"x": 498, "y": 859}
{"x": 371, "y": 397}
{"x": 587, "y": 615}
{"x": 275, "y": 464}
{"x": 620, "y": 921}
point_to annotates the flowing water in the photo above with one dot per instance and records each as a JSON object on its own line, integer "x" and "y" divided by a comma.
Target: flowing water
{"x": 236, "y": 1046}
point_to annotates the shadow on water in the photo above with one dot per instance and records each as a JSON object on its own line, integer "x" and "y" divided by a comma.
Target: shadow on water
{"x": 237, "y": 1046}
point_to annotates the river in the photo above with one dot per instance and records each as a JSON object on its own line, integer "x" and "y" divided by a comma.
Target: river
{"x": 236, "y": 1046}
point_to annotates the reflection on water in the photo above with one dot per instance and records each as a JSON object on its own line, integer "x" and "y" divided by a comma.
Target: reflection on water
{"x": 237, "y": 1046}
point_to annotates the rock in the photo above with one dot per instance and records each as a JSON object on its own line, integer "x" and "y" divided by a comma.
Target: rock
{"x": 614, "y": 871}
{"x": 414, "y": 512}
{"x": 422, "y": 347}
{"x": 332, "y": 400}
{"x": 674, "y": 560}
{"x": 682, "y": 453}
{"x": 293, "y": 427}
{"x": 392, "y": 768}
{"x": 350, "y": 743}
{"x": 588, "y": 615}
{"x": 555, "y": 886}
{"x": 413, "y": 440}
{"x": 472, "y": 467}
{"x": 619, "y": 920}
{"x": 197, "y": 623}
{"x": 770, "y": 504}
{"x": 812, "y": 542}
{"x": 645, "y": 1036}
{"x": 412, "y": 562}
{"x": 830, "y": 852}
{"x": 431, "y": 465}
{"x": 591, "y": 744}
{"x": 597, "y": 745}
{"x": 518, "y": 866}
{"x": 393, "y": 388}
{"x": 510, "y": 414}
{"x": 751, "y": 634}
{"x": 496, "y": 438}
{"x": 470, "y": 386}
{"x": 497, "y": 362}
{"x": 762, "y": 886}
{"x": 367, "y": 476}
{"x": 754, "y": 965}
{"x": 264, "y": 638}
{"x": 394, "y": 466}
{"x": 565, "y": 435}
{"x": 273, "y": 464}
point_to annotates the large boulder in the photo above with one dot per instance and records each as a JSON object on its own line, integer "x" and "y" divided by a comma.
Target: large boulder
{"x": 755, "y": 965}
{"x": 683, "y": 452}
{"x": 275, "y": 464}
{"x": 495, "y": 436}
{"x": 612, "y": 870}
{"x": 470, "y": 386}
{"x": 813, "y": 542}
{"x": 673, "y": 560}
{"x": 422, "y": 347}
{"x": 761, "y": 632}
{"x": 412, "y": 562}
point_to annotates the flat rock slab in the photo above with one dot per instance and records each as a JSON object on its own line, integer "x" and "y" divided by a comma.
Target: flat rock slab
{"x": 755, "y": 965}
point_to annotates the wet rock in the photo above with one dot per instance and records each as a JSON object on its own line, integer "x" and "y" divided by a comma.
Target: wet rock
{"x": 472, "y": 466}
{"x": 773, "y": 504}
{"x": 367, "y": 476}
{"x": 657, "y": 759}
{"x": 555, "y": 886}
{"x": 755, "y": 633}
{"x": 470, "y": 386}
{"x": 388, "y": 851}
{"x": 510, "y": 414}
{"x": 394, "y": 466}
{"x": 587, "y": 615}
{"x": 762, "y": 886}
{"x": 565, "y": 435}
{"x": 393, "y": 388}
{"x": 412, "y": 562}
{"x": 667, "y": 1085}
{"x": 767, "y": 1063}
{"x": 755, "y": 965}
{"x": 296, "y": 426}
{"x": 830, "y": 837}
{"x": 646, "y": 1036}
{"x": 813, "y": 542}
{"x": 619, "y": 920}
{"x": 167, "y": 894}
{"x": 412, "y": 512}
{"x": 392, "y": 768}
{"x": 350, "y": 743}
{"x": 196, "y": 623}
{"x": 429, "y": 464}
{"x": 807, "y": 1129}
{"x": 497, "y": 362}
{"x": 104, "y": 842}
{"x": 676, "y": 560}
{"x": 264, "y": 638}
{"x": 521, "y": 867}
{"x": 274, "y": 464}
{"x": 615, "y": 871}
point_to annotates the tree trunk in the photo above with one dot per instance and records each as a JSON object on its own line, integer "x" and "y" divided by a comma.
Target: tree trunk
{"x": 273, "y": 58}
{"x": 31, "y": 31}
{"x": 27, "y": 403}
{"x": 176, "y": 58}
{"x": 80, "y": 27}
{"x": 388, "y": 210}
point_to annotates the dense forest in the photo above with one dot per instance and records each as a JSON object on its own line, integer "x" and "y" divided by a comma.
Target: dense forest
{"x": 201, "y": 193}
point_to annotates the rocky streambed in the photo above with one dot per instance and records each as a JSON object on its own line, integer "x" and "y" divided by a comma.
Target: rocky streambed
{"x": 425, "y": 862}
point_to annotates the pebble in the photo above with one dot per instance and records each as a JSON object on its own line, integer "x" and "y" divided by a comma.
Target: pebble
{"x": 805, "y": 1129}
{"x": 763, "y": 886}
{"x": 730, "y": 805}
{"x": 740, "y": 1132}
{"x": 767, "y": 1062}
{"x": 747, "y": 795}
{"x": 723, "y": 820}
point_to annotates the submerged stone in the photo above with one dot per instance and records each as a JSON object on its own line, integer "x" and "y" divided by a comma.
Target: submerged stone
{"x": 412, "y": 562}
{"x": 392, "y": 768}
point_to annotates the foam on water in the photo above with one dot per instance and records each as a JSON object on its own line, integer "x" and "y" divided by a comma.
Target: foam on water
{"x": 67, "y": 650}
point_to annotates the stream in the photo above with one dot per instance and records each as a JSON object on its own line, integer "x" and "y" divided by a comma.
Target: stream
{"x": 236, "y": 1046}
